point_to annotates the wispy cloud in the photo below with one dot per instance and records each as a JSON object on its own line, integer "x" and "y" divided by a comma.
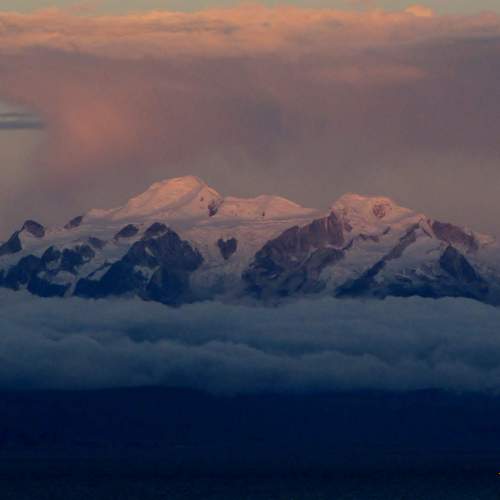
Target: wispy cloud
{"x": 19, "y": 121}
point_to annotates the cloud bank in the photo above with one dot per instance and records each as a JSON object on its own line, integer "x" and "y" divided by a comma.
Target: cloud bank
{"x": 309, "y": 346}
{"x": 404, "y": 104}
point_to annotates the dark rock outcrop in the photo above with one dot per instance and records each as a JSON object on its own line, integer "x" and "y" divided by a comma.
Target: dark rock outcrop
{"x": 405, "y": 241}
{"x": 73, "y": 258}
{"x": 34, "y": 228}
{"x": 467, "y": 281}
{"x": 454, "y": 277}
{"x": 369, "y": 237}
{"x": 455, "y": 264}
{"x": 20, "y": 275}
{"x": 293, "y": 261}
{"x": 156, "y": 229}
{"x": 168, "y": 287}
{"x": 11, "y": 246}
{"x": 365, "y": 283}
{"x": 43, "y": 288}
{"x": 213, "y": 207}
{"x": 97, "y": 243}
{"x": 26, "y": 274}
{"x": 454, "y": 235}
{"x": 35, "y": 273}
{"x": 128, "y": 231}
{"x": 227, "y": 247}
{"x": 155, "y": 268}
{"x": 380, "y": 210}
{"x": 51, "y": 255}
{"x": 307, "y": 278}
{"x": 74, "y": 223}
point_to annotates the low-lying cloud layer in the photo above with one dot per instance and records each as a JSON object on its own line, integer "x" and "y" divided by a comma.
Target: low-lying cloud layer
{"x": 404, "y": 104}
{"x": 321, "y": 345}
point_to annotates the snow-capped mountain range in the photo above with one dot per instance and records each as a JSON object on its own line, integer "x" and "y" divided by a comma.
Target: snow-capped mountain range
{"x": 181, "y": 241}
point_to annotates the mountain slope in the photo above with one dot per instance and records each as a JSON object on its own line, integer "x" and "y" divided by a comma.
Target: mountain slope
{"x": 181, "y": 241}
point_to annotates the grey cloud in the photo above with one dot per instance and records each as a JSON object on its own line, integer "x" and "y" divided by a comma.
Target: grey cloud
{"x": 13, "y": 115}
{"x": 398, "y": 344}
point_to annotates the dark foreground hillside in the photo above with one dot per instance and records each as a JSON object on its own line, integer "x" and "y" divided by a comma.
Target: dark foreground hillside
{"x": 164, "y": 444}
{"x": 183, "y": 430}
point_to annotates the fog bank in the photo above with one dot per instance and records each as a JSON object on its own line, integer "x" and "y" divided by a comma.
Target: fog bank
{"x": 306, "y": 346}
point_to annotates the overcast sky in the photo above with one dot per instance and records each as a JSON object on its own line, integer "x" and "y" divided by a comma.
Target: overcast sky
{"x": 301, "y": 101}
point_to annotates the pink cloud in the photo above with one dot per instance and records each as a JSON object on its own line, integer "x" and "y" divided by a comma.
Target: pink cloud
{"x": 420, "y": 11}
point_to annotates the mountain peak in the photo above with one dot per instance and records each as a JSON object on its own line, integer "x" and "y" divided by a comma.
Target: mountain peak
{"x": 189, "y": 197}
{"x": 263, "y": 206}
{"x": 370, "y": 208}
{"x": 166, "y": 193}
{"x": 185, "y": 196}
{"x": 357, "y": 200}
{"x": 184, "y": 182}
